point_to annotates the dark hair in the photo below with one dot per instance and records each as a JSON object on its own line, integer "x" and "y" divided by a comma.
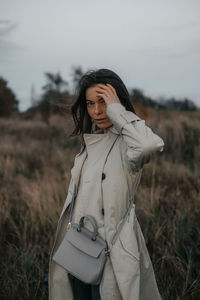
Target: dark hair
{"x": 82, "y": 120}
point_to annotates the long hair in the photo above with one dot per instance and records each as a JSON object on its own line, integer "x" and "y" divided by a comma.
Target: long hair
{"x": 82, "y": 120}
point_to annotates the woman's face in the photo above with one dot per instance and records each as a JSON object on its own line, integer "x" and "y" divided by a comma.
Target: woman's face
{"x": 96, "y": 108}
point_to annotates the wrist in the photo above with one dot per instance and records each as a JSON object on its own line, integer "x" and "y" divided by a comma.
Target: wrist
{"x": 111, "y": 102}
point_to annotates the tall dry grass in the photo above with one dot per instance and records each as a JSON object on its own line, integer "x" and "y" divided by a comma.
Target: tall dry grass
{"x": 35, "y": 163}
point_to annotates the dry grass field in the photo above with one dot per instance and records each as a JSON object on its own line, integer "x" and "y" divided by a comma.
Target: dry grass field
{"x": 35, "y": 163}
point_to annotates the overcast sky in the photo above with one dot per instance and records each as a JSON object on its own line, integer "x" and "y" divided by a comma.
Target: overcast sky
{"x": 153, "y": 45}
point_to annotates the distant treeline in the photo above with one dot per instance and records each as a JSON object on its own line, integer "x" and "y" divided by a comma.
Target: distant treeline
{"x": 56, "y": 94}
{"x": 137, "y": 97}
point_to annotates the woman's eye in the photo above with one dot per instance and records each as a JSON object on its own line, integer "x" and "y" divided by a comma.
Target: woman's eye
{"x": 89, "y": 103}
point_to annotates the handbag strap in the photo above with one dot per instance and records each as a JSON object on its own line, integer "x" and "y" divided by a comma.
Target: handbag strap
{"x": 125, "y": 216}
{"x": 76, "y": 189}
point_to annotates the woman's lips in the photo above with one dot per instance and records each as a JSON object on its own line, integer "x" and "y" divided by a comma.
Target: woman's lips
{"x": 100, "y": 120}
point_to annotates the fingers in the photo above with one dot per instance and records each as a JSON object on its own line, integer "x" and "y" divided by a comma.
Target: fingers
{"x": 104, "y": 86}
{"x": 107, "y": 87}
{"x": 107, "y": 92}
{"x": 103, "y": 92}
{"x": 111, "y": 87}
{"x": 113, "y": 90}
{"x": 103, "y": 89}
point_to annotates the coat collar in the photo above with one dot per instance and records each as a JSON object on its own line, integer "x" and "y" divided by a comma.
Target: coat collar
{"x": 113, "y": 130}
{"x": 90, "y": 139}
{"x": 110, "y": 129}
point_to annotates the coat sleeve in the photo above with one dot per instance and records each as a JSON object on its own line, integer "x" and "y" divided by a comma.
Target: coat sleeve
{"x": 141, "y": 141}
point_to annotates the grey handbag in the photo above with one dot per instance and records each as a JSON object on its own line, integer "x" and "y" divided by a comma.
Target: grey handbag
{"x": 83, "y": 253}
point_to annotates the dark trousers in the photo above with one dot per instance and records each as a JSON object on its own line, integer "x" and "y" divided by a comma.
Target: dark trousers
{"x": 83, "y": 291}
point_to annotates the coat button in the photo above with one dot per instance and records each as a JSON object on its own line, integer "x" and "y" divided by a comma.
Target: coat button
{"x": 102, "y": 211}
{"x": 103, "y": 176}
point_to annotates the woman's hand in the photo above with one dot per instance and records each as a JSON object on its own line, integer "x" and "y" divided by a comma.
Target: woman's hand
{"x": 108, "y": 93}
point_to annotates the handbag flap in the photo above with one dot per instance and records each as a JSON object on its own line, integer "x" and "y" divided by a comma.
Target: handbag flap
{"x": 82, "y": 240}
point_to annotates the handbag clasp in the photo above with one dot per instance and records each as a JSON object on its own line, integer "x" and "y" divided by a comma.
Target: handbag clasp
{"x": 107, "y": 252}
{"x": 68, "y": 225}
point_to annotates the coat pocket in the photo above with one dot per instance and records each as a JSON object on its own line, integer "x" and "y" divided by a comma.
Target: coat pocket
{"x": 129, "y": 249}
{"x": 128, "y": 238}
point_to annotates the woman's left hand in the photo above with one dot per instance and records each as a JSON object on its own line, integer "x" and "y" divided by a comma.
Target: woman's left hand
{"x": 108, "y": 93}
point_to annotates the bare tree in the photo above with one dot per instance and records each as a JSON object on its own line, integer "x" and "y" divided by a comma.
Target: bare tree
{"x": 8, "y": 101}
{"x": 76, "y": 74}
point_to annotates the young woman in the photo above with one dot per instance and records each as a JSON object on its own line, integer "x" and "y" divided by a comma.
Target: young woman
{"x": 101, "y": 113}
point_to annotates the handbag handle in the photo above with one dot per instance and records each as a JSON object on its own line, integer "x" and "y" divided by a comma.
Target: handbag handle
{"x": 92, "y": 220}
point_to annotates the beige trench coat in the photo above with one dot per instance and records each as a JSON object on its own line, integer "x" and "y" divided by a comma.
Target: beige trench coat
{"x": 128, "y": 272}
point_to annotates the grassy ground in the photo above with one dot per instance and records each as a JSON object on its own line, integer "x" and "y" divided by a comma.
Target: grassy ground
{"x": 35, "y": 163}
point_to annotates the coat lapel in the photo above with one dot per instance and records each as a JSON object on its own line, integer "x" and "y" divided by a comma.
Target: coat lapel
{"x": 76, "y": 170}
{"x": 79, "y": 159}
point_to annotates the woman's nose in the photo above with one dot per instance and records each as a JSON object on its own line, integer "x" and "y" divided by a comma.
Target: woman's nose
{"x": 97, "y": 109}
